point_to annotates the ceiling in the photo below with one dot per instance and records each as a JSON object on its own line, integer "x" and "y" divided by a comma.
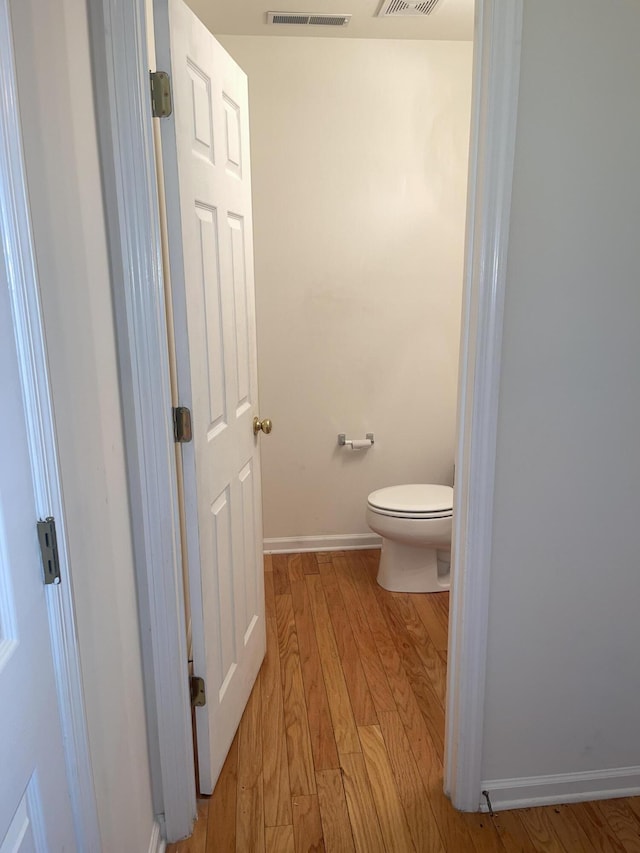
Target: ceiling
{"x": 451, "y": 19}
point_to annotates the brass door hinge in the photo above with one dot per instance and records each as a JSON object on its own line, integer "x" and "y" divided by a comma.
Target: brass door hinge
{"x": 198, "y": 695}
{"x": 49, "y": 550}
{"x": 182, "y": 424}
{"x": 161, "y": 103}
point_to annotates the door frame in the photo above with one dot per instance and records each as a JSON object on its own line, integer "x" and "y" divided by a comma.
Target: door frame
{"x": 119, "y": 35}
{"x": 494, "y": 109}
{"x": 20, "y": 264}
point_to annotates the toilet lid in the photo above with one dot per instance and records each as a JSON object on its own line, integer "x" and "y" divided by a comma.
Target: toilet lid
{"x": 418, "y": 498}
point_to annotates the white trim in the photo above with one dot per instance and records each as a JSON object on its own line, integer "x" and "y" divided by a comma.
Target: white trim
{"x": 562, "y": 788}
{"x": 15, "y": 230}
{"x": 129, "y": 176}
{"x": 157, "y": 844}
{"x": 341, "y": 542}
{"x": 495, "y": 98}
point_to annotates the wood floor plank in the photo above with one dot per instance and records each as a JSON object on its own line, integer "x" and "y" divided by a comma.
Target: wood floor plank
{"x": 540, "y": 830}
{"x": 569, "y": 830}
{"x": 512, "y": 833}
{"x": 457, "y": 833}
{"x": 323, "y": 556}
{"x": 307, "y": 826}
{"x": 369, "y": 657}
{"x": 634, "y": 805}
{"x": 294, "y": 567}
{"x": 367, "y": 836}
{"x": 323, "y": 743}
{"x": 413, "y": 796}
{"x": 364, "y": 710}
{"x": 279, "y": 839}
{"x": 275, "y": 762}
{"x": 269, "y": 596}
{"x": 393, "y": 822}
{"x": 344, "y": 726}
{"x": 310, "y": 563}
{"x": 430, "y": 696}
{"x": 394, "y": 631}
{"x": 299, "y": 752}
{"x": 597, "y": 827}
{"x": 432, "y": 620}
{"x": 371, "y": 561}
{"x": 417, "y": 709}
{"x": 404, "y": 673}
{"x": 623, "y": 821}
{"x": 373, "y": 555}
{"x": 268, "y": 563}
{"x": 280, "y": 572}
{"x": 421, "y": 642}
{"x": 336, "y": 827}
{"x": 221, "y": 823}
{"x": 441, "y": 605}
{"x": 250, "y": 801}
{"x": 453, "y": 832}
{"x": 482, "y": 831}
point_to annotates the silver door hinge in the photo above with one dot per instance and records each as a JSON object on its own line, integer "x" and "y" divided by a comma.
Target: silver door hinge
{"x": 198, "y": 695}
{"x": 161, "y": 104}
{"x": 49, "y": 550}
{"x": 182, "y": 424}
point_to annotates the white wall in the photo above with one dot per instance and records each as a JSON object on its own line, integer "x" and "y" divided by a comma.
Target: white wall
{"x": 64, "y": 186}
{"x": 563, "y": 687}
{"x": 359, "y": 163}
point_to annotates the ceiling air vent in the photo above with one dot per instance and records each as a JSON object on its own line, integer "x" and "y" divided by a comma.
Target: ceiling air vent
{"x": 406, "y": 8}
{"x": 308, "y": 19}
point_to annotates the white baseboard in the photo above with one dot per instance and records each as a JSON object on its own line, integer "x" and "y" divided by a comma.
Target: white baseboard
{"x": 562, "y": 788}
{"x": 157, "y": 844}
{"x": 341, "y": 542}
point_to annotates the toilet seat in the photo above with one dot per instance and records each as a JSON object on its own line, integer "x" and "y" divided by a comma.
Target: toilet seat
{"x": 417, "y": 515}
{"x": 415, "y": 500}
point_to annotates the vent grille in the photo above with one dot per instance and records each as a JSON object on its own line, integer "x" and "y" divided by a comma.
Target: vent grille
{"x": 406, "y": 8}
{"x": 308, "y": 19}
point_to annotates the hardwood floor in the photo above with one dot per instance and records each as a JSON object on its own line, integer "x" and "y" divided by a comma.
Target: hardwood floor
{"x": 341, "y": 744}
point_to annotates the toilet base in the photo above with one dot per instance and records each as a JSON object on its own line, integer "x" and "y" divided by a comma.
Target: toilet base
{"x": 407, "y": 568}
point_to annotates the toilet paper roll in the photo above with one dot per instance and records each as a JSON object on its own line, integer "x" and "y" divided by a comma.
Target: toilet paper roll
{"x": 361, "y": 443}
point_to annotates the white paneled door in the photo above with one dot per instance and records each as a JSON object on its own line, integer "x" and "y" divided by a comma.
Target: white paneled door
{"x": 205, "y": 146}
{"x": 35, "y": 808}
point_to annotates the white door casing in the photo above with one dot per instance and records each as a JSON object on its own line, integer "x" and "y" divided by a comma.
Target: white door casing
{"x": 35, "y": 804}
{"x": 205, "y": 147}
{"x": 496, "y": 74}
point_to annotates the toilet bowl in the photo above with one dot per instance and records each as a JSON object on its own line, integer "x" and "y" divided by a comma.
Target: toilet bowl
{"x": 414, "y": 522}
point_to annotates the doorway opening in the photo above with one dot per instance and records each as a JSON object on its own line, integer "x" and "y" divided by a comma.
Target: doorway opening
{"x": 359, "y": 198}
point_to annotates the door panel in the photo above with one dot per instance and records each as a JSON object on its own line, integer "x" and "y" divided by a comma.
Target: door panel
{"x": 207, "y": 185}
{"x": 35, "y": 808}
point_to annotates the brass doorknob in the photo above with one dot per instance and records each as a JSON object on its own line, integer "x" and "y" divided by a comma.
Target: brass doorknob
{"x": 266, "y": 426}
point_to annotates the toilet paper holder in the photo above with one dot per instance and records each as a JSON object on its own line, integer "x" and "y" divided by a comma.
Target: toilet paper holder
{"x": 354, "y": 443}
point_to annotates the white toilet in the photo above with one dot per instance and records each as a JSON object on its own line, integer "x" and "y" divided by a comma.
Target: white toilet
{"x": 415, "y": 524}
